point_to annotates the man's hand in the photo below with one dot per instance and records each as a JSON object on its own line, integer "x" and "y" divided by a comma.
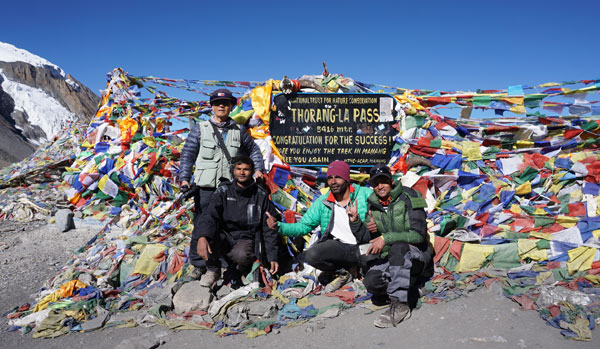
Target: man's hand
{"x": 377, "y": 245}
{"x": 274, "y": 268}
{"x": 371, "y": 225}
{"x": 272, "y": 222}
{"x": 186, "y": 190}
{"x": 203, "y": 248}
{"x": 352, "y": 212}
{"x": 258, "y": 175}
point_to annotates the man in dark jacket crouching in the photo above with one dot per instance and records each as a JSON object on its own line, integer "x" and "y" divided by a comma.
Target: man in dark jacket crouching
{"x": 234, "y": 226}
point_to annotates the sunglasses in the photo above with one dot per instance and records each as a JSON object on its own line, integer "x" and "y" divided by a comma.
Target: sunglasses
{"x": 222, "y": 102}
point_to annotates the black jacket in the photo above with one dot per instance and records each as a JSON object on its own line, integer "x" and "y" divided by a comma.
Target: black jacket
{"x": 192, "y": 147}
{"x": 238, "y": 213}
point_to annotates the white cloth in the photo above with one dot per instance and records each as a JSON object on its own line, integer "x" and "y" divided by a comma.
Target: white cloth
{"x": 341, "y": 225}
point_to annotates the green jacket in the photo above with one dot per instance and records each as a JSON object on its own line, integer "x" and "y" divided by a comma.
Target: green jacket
{"x": 405, "y": 219}
{"x": 211, "y": 163}
{"x": 320, "y": 214}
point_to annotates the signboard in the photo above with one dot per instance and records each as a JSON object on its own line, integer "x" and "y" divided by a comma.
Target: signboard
{"x": 318, "y": 128}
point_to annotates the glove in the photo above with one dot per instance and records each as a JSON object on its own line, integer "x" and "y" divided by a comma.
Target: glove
{"x": 187, "y": 191}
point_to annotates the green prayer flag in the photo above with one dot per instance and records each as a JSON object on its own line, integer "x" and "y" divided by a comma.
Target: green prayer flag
{"x": 481, "y": 100}
{"x": 506, "y": 256}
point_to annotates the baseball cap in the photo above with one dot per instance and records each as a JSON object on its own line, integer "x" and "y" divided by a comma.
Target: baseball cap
{"x": 222, "y": 94}
{"x": 380, "y": 170}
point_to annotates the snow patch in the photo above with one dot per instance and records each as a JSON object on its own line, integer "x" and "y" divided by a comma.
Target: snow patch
{"x": 73, "y": 84}
{"x": 10, "y": 53}
{"x": 41, "y": 108}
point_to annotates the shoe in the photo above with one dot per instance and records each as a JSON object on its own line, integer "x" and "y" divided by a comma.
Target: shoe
{"x": 380, "y": 300}
{"x": 210, "y": 278}
{"x": 338, "y": 282}
{"x": 325, "y": 277}
{"x": 197, "y": 273}
{"x": 395, "y": 314}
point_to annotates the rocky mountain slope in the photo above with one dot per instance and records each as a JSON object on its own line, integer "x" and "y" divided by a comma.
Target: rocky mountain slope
{"x": 37, "y": 100}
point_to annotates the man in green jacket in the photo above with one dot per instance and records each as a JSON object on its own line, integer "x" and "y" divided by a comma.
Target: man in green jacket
{"x": 340, "y": 213}
{"x": 405, "y": 257}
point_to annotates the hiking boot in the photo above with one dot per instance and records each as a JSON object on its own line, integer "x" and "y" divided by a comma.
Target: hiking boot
{"x": 395, "y": 314}
{"x": 197, "y": 273}
{"x": 210, "y": 277}
{"x": 338, "y": 282}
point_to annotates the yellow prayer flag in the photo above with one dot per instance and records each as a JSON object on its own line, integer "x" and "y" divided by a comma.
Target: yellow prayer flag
{"x": 542, "y": 276}
{"x": 540, "y": 235}
{"x": 447, "y": 144}
{"x": 524, "y": 188}
{"x": 261, "y": 101}
{"x": 473, "y": 256}
{"x": 514, "y": 100}
{"x": 498, "y": 183}
{"x": 514, "y": 208}
{"x": 549, "y": 84}
{"x": 528, "y": 249}
{"x": 595, "y": 279}
{"x": 146, "y": 263}
{"x": 567, "y": 220}
{"x": 149, "y": 141}
{"x": 468, "y": 193}
{"x": 471, "y": 150}
{"x": 242, "y": 117}
{"x": 524, "y": 144}
{"x": 518, "y": 109}
{"x": 579, "y": 156}
{"x": 580, "y": 258}
{"x": 555, "y": 188}
{"x": 119, "y": 163}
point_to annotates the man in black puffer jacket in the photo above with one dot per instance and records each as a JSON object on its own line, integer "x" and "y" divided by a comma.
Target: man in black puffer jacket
{"x": 207, "y": 153}
{"x": 234, "y": 226}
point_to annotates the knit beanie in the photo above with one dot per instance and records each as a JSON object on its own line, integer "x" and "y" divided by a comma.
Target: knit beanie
{"x": 340, "y": 169}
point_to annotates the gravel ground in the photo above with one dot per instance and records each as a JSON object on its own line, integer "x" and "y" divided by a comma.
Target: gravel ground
{"x": 30, "y": 253}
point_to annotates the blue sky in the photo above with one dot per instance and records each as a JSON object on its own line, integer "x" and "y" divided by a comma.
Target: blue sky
{"x": 446, "y": 45}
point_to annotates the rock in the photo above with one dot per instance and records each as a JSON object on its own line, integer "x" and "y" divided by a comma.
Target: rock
{"x": 192, "y": 296}
{"x": 237, "y": 314}
{"x": 264, "y": 309}
{"x": 224, "y": 291}
{"x": 97, "y": 322}
{"x": 158, "y": 296}
{"x": 64, "y": 220}
{"x": 86, "y": 278}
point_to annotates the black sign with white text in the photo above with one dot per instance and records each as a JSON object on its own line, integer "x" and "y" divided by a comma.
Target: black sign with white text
{"x": 316, "y": 129}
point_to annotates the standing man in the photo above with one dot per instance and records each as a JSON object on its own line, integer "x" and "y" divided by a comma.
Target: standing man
{"x": 339, "y": 213}
{"x": 397, "y": 223}
{"x": 234, "y": 226}
{"x": 209, "y": 147}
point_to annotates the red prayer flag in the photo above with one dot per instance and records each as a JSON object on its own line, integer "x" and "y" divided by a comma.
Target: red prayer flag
{"x": 572, "y": 133}
{"x": 577, "y": 209}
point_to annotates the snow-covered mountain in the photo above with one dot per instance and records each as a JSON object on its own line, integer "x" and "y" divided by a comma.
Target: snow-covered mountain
{"x": 37, "y": 100}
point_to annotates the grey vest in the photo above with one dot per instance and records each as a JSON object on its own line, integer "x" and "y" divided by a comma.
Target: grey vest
{"x": 211, "y": 163}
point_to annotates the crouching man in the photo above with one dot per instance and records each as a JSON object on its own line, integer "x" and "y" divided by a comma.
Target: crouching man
{"x": 401, "y": 244}
{"x": 339, "y": 213}
{"x": 234, "y": 226}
